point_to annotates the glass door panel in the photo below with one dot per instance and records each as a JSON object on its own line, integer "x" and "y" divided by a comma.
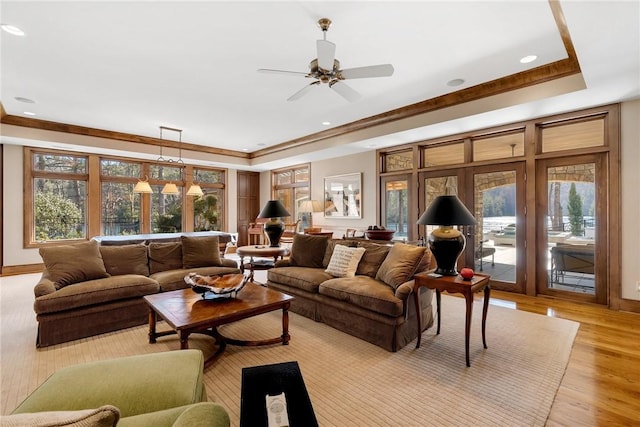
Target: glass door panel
{"x": 495, "y": 234}
{"x": 396, "y": 207}
{"x": 571, "y": 232}
{"x": 438, "y": 186}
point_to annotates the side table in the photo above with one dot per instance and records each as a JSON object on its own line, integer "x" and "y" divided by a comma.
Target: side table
{"x": 260, "y": 251}
{"x": 455, "y": 284}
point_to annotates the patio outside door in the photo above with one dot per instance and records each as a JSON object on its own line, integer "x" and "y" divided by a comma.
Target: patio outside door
{"x": 571, "y": 251}
{"x": 498, "y": 241}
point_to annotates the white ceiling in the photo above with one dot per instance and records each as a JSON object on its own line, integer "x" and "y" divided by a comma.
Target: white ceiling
{"x": 134, "y": 66}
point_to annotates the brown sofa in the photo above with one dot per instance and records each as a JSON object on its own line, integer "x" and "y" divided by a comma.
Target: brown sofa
{"x": 87, "y": 289}
{"x": 375, "y": 304}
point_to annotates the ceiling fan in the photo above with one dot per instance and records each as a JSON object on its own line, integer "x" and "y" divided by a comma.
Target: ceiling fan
{"x": 326, "y": 69}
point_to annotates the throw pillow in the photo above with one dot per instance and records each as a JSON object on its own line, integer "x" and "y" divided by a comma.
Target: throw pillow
{"x": 200, "y": 251}
{"x": 104, "y": 416}
{"x": 332, "y": 244}
{"x": 308, "y": 250}
{"x": 165, "y": 256}
{"x": 372, "y": 259}
{"x": 69, "y": 264}
{"x": 400, "y": 264}
{"x": 125, "y": 259}
{"x": 344, "y": 261}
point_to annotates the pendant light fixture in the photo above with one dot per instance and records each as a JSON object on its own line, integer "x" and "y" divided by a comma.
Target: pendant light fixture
{"x": 194, "y": 189}
{"x": 142, "y": 186}
{"x": 170, "y": 188}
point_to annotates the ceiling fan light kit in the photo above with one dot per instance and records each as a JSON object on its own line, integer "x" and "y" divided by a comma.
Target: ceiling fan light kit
{"x": 326, "y": 69}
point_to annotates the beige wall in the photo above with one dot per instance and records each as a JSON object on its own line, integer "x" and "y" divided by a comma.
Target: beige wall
{"x": 630, "y": 230}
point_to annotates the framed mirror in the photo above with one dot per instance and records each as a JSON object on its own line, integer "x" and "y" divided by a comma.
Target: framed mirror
{"x": 343, "y": 195}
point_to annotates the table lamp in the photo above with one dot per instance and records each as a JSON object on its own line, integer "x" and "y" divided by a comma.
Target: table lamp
{"x": 275, "y": 226}
{"x": 445, "y": 242}
{"x": 310, "y": 206}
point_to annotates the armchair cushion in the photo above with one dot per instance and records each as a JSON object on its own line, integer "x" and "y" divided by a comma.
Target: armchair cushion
{"x": 125, "y": 259}
{"x": 200, "y": 251}
{"x": 104, "y": 416}
{"x": 69, "y": 264}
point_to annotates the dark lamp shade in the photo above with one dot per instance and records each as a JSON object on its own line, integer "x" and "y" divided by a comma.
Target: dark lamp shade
{"x": 447, "y": 210}
{"x": 274, "y": 227}
{"x": 273, "y": 209}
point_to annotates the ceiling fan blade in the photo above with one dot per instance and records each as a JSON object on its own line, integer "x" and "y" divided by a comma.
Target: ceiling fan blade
{"x": 382, "y": 70}
{"x": 293, "y": 73}
{"x": 299, "y": 94}
{"x": 326, "y": 54}
{"x": 345, "y": 91}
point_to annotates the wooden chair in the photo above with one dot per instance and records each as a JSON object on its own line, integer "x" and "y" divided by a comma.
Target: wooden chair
{"x": 309, "y": 230}
{"x": 255, "y": 232}
{"x": 351, "y": 232}
{"x": 289, "y": 231}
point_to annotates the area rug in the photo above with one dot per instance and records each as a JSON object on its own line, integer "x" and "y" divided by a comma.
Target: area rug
{"x": 352, "y": 382}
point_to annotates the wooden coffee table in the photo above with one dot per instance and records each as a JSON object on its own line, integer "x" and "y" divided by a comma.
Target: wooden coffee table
{"x": 186, "y": 313}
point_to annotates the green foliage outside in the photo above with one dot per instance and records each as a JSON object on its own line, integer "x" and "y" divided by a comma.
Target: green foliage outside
{"x": 575, "y": 211}
{"x": 57, "y": 217}
{"x": 206, "y": 213}
{"x": 170, "y": 221}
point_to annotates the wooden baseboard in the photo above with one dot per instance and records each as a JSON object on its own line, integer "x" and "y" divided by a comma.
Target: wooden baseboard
{"x": 630, "y": 305}
{"x": 12, "y": 270}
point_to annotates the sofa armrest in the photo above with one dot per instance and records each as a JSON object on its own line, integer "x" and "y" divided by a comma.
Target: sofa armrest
{"x": 229, "y": 263}
{"x": 283, "y": 263}
{"x": 44, "y": 287}
{"x": 404, "y": 291}
{"x": 201, "y": 414}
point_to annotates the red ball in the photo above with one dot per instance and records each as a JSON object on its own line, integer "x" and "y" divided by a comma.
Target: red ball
{"x": 467, "y": 273}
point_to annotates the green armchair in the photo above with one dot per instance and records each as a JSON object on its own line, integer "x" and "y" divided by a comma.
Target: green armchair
{"x": 155, "y": 390}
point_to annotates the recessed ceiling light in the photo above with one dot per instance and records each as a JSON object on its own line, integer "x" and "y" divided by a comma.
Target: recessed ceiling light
{"x": 455, "y": 82}
{"x": 29, "y": 113}
{"x": 245, "y": 149}
{"x": 528, "y": 58}
{"x": 11, "y": 29}
{"x": 25, "y": 100}
{"x": 326, "y": 123}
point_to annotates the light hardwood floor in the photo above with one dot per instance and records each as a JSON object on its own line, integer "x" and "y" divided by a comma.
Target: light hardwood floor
{"x": 602, "y": 383}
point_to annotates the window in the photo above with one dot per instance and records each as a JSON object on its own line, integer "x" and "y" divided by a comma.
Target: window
{"x": 120, "y": 207}
{"x": 58, "y": 196}
{"x": 74, "y": 197}
{"x": 292, "y": 187}
{"x": 208, "y": 209}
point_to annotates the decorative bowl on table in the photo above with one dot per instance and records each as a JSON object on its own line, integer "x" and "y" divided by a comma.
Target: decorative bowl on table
{"x": 379, "y": 234}
{"x": 217, "y": 286}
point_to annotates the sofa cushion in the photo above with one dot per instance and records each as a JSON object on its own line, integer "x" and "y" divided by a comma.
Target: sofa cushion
{"x": 308, "y": 250}
{"x": 125, "y": 259}
{"x": 172, "y": 280}
{"x": 372, "y": 259}
{"x": 344, "y": 261}
{"x": 364, "y": 292}
{"x": 69, "y": 264}
{"x": 305, "y": 278}
{"x": 200, "y": 251}
{"x": 331, "y": 244}
{"x": 96, "y": 292}
{"x": 400, "y": 264}
{"x": 164, "y": 256}
{"x": 104, "y": 416}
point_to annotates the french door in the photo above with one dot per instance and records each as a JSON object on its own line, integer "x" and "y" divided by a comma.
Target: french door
{"x": 571, "y": 228}
{"x": 495, "y": 196}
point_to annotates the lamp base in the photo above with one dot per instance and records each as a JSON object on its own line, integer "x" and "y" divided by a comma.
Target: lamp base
{"x": 274, "y": 229}
{"x": 446, "y": 244}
